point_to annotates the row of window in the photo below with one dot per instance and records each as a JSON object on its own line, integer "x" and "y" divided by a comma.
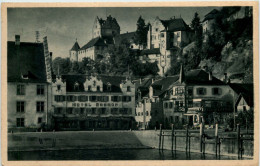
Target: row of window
{"x": 20, "y": 122}
{"x": 82, "y": 98}
{"x": 97, "y": 47}
{"x": 94, "y": 111}
{"x": 200, "y": 91}
{"x": 141, "y": 113}
{"x": 21, "y": 89}
{"x": 20, "y": 106}
{"x": 128, "y": 89}
{"x": 170, "y": 104}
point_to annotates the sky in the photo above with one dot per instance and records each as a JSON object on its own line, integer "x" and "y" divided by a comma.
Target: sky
{"x": 63, "y": 26}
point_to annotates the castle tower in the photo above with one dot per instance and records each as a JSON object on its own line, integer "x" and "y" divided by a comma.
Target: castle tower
{"x": 74, "y": 52}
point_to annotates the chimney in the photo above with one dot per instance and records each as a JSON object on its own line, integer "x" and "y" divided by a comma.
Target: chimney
{"x": 17, "y": 40}
{"x": 140, "y": 80}
{"x": 51, "y": 57}
{"x": 181, "y": 77}
{"x": 210, "y": 76}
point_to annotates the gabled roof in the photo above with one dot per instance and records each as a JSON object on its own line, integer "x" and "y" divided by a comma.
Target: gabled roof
{"x": 211, "y": 15}
{"x": 27, "y": 60}
{"x": 151, "y": 51}
{"x": 75, "y": 47}
{"x": 94, "y": 42}
{"x": 162, "y": 85}
{"x": 114, "y": 81}
{"x": 242, "y": 88}
{"x": 245, "y": 91}
{"x": 201, "y": 77}
{"x": 177, "y": 24}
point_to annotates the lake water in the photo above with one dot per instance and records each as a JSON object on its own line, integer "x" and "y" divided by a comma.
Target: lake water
{"x": 113, "y": 154}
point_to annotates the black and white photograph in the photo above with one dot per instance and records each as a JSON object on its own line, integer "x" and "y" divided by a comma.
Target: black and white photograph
{"x": 106, "y": 83}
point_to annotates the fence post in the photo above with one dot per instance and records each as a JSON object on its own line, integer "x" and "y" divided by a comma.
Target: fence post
{"x": 187, "y": 132}
{"x": 216, "y": 139}
{"x": 160, "y": 136}
{"x": 162, "y": 140}
{"x": 201, "y": 134}
{"x": 172, "y": 135}
{"x": 175, "y": 141}
{"x": 238, "y": 140}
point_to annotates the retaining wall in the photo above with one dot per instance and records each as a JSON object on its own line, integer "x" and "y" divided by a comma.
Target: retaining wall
{"x": 228, "y": 147}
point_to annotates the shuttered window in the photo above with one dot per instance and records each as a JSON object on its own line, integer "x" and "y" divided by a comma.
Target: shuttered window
{"x": 201, "y": 91}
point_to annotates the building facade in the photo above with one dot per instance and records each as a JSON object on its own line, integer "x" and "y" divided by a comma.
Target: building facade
{"x": 94, "y": 49}
{"x": 164, "y": 40}
{"x": 187, "y": 98}
{"x": 83, "y": 102}
{"x": 105, "y": 29}
{"x": 103, "y": 34}
{"x": 29, "y": 90}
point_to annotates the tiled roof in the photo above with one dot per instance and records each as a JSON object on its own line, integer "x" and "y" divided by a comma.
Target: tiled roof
{"x": 151, "y": 51}
{"x": 177, "y": 24}
{"x": 75, "y": 47}
{"x": 162, "y": 85}
{"x": 80, "y": 79}
{"x": 94, "y": 42}
{"x": 211, "y": 15}
{"x": 200, "y": 77}
{"x": 27, "y": 60}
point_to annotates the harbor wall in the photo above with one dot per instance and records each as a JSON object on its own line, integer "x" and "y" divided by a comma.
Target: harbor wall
{"x": 29, "y": 141}
{"x": 228, "y": 146}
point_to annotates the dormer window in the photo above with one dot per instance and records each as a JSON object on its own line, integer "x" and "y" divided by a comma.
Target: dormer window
{"x": 89, "y": 88}
{"x": 58, "y": 87}
{"x": 128, "y": 89}
{"x": 76, "y": 86}
{"x": 108, "y": 86}
{"x": 98, "y": 88}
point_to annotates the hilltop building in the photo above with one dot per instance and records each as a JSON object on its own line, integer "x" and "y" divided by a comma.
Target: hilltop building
{"x": 83, "y": 102}
{"x": 103, "y": 33}
{"x": 106, "y": 29}
{"x": 29, "y": 90}
{"x": 164, "y": 40}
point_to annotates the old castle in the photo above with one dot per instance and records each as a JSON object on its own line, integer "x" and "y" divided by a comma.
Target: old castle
{"x": 164, "y": 39}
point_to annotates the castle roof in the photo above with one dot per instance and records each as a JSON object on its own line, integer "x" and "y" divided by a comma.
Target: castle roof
{"x": 176, "y": 24}
{"x": 110, "y": 22}
{"x": 26, "y": 62}
{"x": 94, "y": 42}
{"x": 75, "y": 47}
{"x": 211, "y": 15}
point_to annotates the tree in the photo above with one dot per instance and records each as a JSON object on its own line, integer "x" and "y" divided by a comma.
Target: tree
{"x": 195, "y": 23}
{"x": 196, "y": 52}
{"x": 141, "y": 32}
{"x": 74, "y": 68}
{"x": 61, "y": 65}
